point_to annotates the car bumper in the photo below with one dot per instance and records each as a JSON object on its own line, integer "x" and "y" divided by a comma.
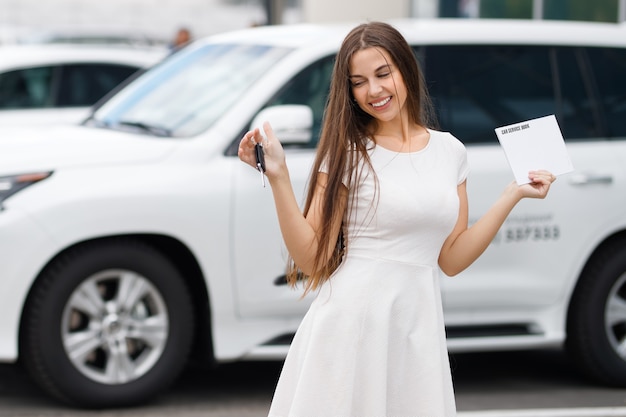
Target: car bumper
{"x": 24, "y": 250}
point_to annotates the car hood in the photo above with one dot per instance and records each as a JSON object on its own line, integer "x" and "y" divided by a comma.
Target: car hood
{"x": 48, "y": 148}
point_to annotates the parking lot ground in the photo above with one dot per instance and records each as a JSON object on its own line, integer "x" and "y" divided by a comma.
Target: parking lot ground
{"x": 500, "y": 384}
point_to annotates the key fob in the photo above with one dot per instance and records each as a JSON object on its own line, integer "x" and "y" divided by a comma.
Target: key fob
{"x": 260, "y": 161}
{"x": 260, "y": 157}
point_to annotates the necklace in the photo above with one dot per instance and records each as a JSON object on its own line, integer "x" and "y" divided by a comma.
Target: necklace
{"x": 410, "y": 154}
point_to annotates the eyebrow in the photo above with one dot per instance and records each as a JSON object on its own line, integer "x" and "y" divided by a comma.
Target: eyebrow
{"x": 384, "y": 66}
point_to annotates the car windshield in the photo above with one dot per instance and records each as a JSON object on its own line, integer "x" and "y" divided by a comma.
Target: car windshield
{"x": 187, "y": 93}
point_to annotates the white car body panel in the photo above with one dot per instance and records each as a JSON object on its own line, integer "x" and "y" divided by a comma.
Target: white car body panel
{"x": 109, "y": 183}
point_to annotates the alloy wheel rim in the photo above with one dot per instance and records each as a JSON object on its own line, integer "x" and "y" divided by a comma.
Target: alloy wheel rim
{"x": 115, "y": 326}
{"x": 615, "y": 316}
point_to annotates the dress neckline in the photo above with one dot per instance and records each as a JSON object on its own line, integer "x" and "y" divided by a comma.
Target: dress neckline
{"x": 423, "y": 149}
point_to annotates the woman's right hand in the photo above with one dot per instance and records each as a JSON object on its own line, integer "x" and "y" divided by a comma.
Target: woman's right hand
{"x": 274, "y": 153}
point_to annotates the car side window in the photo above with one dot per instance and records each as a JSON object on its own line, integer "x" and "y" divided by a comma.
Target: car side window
{"x": 27, "y": 88}
{"x": 577, "y": 111}
{"x": 478, "y": 88}
{"x": 84, "y": 84}
{"x": 309, "y": 87}
{"x": 609, "y": 67}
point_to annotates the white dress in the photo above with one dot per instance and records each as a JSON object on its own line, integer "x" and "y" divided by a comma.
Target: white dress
{"x": 373, "y": 341}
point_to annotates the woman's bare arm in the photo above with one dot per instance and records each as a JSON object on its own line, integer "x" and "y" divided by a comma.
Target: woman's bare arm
{"x": 464, "y": 245}
{"x": 300, "y": 233}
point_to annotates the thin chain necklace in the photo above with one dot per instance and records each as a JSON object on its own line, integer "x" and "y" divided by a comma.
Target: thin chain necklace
{"x": 409, "y": 153}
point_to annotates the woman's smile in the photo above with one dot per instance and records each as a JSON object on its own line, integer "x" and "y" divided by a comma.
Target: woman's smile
{"x": 381, "y": 103}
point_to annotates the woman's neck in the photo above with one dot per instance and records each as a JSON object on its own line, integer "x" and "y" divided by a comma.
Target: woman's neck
{"x": 395, "y": 138}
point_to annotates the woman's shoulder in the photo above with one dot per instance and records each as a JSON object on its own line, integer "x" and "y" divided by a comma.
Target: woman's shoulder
{"x": 450, "y": 145}
{"x": 446, "y": 139}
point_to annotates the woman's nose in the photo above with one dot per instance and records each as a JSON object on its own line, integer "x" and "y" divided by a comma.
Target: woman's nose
{"x": 375, "y": 87}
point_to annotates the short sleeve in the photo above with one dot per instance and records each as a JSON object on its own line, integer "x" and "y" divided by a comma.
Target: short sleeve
{"x": 463, "y": 166}
{"x": 457, "y": 155}
{"x": 324, "y": 168}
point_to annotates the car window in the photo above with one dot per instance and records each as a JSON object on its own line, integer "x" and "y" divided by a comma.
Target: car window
{"x": 309, "y": 87}
{"x": 185, "y": 95}
{"x": 577, "y": 111}
{"x": 27, "y": 88}
{"x": 609, "y": 67}
{"x": 478, "y": 88}
{"x": 84, "y": 84}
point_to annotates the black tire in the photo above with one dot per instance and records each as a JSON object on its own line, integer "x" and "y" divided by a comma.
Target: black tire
{"x": 596, "y": 326}
{"x": 75, "y": 307}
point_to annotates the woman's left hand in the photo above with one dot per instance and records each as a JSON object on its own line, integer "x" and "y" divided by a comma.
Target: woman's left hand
{"x": 539, "y": 185}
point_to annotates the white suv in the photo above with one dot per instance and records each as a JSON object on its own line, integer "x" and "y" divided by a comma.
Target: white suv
{"x": 49, "y": 84}
{"x": 139, "y": 238}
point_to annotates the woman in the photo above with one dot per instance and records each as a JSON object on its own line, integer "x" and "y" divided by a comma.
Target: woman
{"x": 386, "y": 209}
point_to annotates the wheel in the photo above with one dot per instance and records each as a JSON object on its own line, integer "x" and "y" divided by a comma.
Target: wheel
{"x": 596, "y": 328}
{"x": 109, "y": 324}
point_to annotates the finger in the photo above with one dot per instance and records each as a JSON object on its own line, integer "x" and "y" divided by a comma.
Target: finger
{"x": 251, "y": 138}
{"x": 269, "y": 132}
{"x": 551, "y": 177}
{"x": 257, "y": 136}
{"x": 246, "y": 148}
{"x": 247, "y": 140}
{"x": 541, "y": 180}
{"x": 541, "y": 176}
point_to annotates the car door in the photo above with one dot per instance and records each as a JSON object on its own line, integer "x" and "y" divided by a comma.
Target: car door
{"x": 259, "y": 263}
{"x": 532, "y": 261}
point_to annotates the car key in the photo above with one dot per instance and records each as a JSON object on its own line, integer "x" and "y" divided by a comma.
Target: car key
{"x": 260, "y": 161}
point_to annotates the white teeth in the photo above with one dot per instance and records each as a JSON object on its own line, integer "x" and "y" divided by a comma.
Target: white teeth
{"x": 381, "y": 103}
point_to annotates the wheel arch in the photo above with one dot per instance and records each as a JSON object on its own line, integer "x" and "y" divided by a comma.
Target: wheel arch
{"x": 183, "y": 259}
{"x": 616, "y": 238}
{"x": 588, "y": 345}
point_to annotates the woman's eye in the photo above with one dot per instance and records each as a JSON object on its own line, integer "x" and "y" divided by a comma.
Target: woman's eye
{"x": 384, "y": 74}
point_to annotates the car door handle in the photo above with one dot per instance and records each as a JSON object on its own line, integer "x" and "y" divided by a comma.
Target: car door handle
{"x": 589, "y": 179}
{"x": 280, "y": 280}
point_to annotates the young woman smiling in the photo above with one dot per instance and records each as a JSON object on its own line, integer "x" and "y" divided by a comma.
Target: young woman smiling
{"x": 386, "y": 210}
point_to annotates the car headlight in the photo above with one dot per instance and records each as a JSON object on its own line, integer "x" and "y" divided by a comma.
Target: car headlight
{"x": 11, "y": 184}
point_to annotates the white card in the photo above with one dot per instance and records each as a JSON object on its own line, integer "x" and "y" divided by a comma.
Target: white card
{"x": 534, "y": 144}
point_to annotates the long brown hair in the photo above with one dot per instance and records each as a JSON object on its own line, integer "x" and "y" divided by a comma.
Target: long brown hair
{"x": 342, "y": 146}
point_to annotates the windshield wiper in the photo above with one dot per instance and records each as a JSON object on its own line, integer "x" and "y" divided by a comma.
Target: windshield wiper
{"x": 153, "y": 130}
{"x": 92, "y": 121}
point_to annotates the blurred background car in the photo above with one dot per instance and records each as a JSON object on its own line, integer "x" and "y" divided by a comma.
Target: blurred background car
{"x": 137, "y": 240}
{"x": 102, "y": 35}
{"x": 51, "y": 83}
{"x": 91, "y": 36}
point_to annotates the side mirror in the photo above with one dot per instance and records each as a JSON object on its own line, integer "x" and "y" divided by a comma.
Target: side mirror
{"x": 291, "y": 123}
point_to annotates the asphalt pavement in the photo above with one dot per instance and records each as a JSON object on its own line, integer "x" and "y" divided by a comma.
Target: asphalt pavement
{"x": 501, "y": 384}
